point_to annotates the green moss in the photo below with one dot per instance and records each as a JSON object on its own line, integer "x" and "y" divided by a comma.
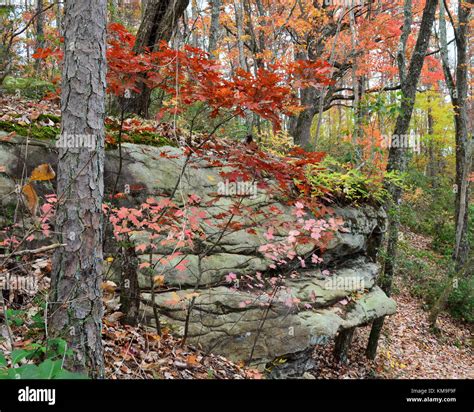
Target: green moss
{"x": 52, "y": 117}
{"x": 149, "y": 138}
{"x": 27, "y": 87}
{"x": 31, "y": 130}
{"x": 142, "y": 137}
{"x": 8, "y": 213}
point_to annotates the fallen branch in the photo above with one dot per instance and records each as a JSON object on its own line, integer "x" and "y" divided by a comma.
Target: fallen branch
{"x": 33, "y": 251}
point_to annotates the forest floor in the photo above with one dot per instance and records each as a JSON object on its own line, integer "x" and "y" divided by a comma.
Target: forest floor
{"x": 408, "y": 349}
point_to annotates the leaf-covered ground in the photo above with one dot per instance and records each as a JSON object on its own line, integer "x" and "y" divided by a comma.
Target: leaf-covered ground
{"x": 407, "y": 349}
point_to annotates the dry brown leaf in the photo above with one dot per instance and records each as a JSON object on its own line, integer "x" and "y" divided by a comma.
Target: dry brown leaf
{"x": 109, "y": 286}
{"x": 31, "y": 198}
{"x": 43, "y": 172}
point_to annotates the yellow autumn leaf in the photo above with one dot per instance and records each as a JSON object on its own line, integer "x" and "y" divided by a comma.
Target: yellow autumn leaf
{"x": 42, "y": 172}
{"x": 159, "y": 280}
{"x": 31, "y": 198}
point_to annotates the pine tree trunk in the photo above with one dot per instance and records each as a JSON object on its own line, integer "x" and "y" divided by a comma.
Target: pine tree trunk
{"x": 76, "y": 297}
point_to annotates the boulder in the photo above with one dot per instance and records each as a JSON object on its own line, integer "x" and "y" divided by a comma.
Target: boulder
{"x": 310, "y": 306}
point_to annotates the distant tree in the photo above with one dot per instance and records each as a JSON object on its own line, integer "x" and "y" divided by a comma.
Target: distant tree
{"x": 214, "y": 30}
{"x": 159, "y": 22}
{"x": 458, "y": 89}
{"x": 396, "y": 161}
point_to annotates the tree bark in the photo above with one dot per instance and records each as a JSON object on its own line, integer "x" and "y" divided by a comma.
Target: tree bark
{"x": 343, "y": 344}
{"x": 458, "y": 92}
{"x": 76, "y": 296}
{"x": 39, "y": 33}
{"x": 396, "y": 161}
{"x": 240, "y": 32}
{"x": 129, "y": 288}
{"x": 159, "y": 23}
{"x": 214, "y": 29}
{"x": 463, "y": 143}
{"x": 312, "y": 99}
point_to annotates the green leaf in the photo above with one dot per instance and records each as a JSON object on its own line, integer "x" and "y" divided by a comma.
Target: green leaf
{"x": 19, "y": 354}
{"x": 24, "y": 372}
{"x": 3, "y": 361}
{"x": 64, "y": 374}
{"x": 49, "y": 369}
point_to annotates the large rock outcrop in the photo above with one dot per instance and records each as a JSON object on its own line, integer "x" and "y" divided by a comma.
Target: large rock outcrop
{"x": 237, "y": 322}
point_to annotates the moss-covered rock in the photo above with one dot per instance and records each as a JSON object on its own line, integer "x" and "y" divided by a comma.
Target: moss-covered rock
{"x": 27, "y": 87}
{"x": 31, "y": 130}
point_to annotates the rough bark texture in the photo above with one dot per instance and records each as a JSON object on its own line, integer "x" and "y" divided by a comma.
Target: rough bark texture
{"x": 214, "y": 29}
{"x": 39, "y": 32}
{"x": 463, "y": 143}
{"x": 314, "y": 100}
{"x": 76, "y": 298}
{"x": 240, "y": 32}
{"x": 129, "y": 288}
{"x": 396, "y": 160}
{"x": 159, "y": 22}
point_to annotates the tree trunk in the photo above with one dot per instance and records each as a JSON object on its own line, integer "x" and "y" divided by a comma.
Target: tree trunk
{"x": 431, "y": 169}
{"x": 313, "y": 99}
{"x": 76, "y": 296}
{"x": 194, "y": 18}
{"x": 343, "y": 344}
{"x": 301, "y": 128}
{"x": 214, "y": 29}
{"x": 240, "y": 32}
{"x": 463, "y": 143}
{"x": 396, "y": 161}
{"x": 39, "y": 33}
{"x": 458, "y": 94}
{"x": 129, "y": 288}
{"x": 159, "y": 22}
